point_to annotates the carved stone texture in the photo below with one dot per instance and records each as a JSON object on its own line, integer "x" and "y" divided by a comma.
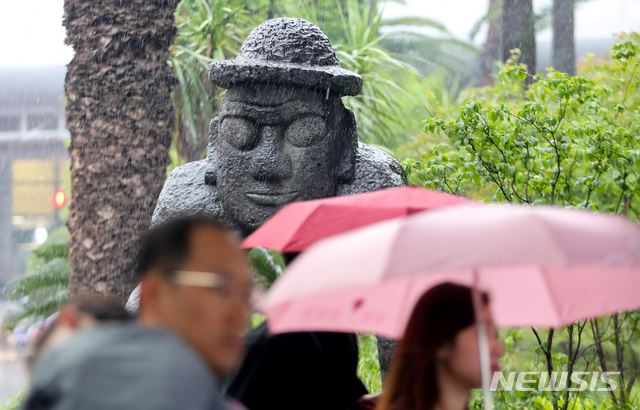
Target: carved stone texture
{"x": 119, "y": 115}
{"x": 186, "y": 193}
{"x": 289, "y": 51}
{"x": 282, "y": 135}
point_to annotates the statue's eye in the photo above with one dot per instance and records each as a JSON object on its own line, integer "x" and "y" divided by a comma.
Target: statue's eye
{"x": 240, "y": 133}
{"x": 305, "y": 131}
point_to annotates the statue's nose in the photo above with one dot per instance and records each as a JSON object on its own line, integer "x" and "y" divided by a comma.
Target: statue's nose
{"x": 271, "y": 162}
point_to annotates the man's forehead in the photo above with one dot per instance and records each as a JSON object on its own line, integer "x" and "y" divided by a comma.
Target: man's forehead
{"x": 213, "y": 246}
{"x": 271, "y": 95}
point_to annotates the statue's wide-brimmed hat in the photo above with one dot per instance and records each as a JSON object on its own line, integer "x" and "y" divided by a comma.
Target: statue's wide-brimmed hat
{"x": 287, "y": 51}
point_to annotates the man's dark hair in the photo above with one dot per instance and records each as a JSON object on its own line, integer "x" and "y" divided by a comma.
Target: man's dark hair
{"x": 166, "y": 246}
{"x": 101, "y": 309}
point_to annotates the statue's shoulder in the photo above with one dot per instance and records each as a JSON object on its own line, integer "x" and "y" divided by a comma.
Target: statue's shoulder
{"x": 185, "y": 193}
{"x": 375, "y": 170}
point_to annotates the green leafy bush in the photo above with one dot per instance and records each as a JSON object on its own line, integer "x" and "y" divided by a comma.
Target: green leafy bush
{"x": 568, "y": 141}
{"x": 368, "y": 365}
{"x": 267, "y": 266}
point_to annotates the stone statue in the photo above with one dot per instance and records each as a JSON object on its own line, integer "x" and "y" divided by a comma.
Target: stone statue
{"x": 282, "y": 134}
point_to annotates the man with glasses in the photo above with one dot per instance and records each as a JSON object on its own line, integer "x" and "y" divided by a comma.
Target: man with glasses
{"x": 194, "y": 311}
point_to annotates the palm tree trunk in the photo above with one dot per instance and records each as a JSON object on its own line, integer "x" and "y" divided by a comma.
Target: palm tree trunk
{"x": 518, "y": 31}
{"x": 120, "y": 118}
{"x": 563, "y": 55}
{"x": 271, "y": 11}
{"x": 491, "y": 51}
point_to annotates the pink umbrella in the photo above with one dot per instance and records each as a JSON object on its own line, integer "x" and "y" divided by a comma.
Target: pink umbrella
{"x": 301, "y": 224}
{"x": 541, "y": 266}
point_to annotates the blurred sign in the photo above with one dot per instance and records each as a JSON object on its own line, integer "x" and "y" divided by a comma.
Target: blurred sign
{"x": 33, "y": 187}
{"x": 59, "y": 199}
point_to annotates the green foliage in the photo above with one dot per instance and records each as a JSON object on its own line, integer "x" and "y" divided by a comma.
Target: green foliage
{"x": 568, "y": 141}
{"x": 176, "y": 161}
{"x": 15, "y": 402}
{"x": 368, "y": 365}
{"x": 267, "y": 265}
{"x": 208, "y": 30}
{"x": 257, "y": 319}
{"x": 378, "y": 108}
{"x": 44, "y": 286}
{"x": 442, "y": 53}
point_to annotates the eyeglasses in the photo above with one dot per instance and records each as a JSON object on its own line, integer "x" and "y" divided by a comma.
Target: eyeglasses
{"x": 216, "y": 281}
{"x": 200, "y": 279}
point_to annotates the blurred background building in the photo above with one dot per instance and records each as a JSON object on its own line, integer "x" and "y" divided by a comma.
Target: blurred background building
{"x": 33, "y": 158}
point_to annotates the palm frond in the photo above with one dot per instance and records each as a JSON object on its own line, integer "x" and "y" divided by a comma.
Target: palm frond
{"x": 50, "y": 251}
{"x": 40, "y": 306}
{"x": 431, "y": 54}
{"x": 415, "y": 22}
{"x": 44, "y": 287}
{"x": 207, "y": 30}
{"x": 402, "y": 41}
{"x": 54, "y": 272}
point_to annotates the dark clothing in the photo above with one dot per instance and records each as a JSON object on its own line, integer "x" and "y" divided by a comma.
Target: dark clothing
{"x": 298, "y": 371}
{"x": 123, "y": 367}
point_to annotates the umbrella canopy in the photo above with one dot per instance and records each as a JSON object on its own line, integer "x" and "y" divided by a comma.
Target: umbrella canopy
{"x": 541, "y": 267}
{"x": 301, "y": 224}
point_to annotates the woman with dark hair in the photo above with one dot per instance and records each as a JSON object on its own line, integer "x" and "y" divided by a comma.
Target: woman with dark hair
{"x": 437, "y": 363}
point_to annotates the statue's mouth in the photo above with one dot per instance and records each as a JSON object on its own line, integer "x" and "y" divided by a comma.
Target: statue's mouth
{"x": 272, "y": 198}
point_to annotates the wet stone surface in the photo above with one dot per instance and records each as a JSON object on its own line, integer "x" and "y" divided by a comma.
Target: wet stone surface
{"x": 289, "y": 51}
{"x": 282, "y": 135}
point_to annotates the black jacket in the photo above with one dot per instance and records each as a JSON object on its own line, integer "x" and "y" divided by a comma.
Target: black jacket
{"x": 298, "y": 371}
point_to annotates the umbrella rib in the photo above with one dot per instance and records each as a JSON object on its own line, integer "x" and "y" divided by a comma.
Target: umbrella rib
{"x": 407, "y": 293}
{"x": 552, "y": 295}
{"x": 552, "y": 239}
{"x": 392, "y": 248}
{"x": 316, "y": 208}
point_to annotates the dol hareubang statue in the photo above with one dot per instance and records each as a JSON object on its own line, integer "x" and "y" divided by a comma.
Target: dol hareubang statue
{"x": 282, "y": 134}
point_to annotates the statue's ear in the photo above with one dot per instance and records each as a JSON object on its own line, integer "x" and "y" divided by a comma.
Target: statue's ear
{"x": 347, "y": 147}
{"x": 210, "y": 176}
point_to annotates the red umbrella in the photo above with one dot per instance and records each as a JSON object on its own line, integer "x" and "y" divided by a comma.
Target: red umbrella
{"x": 301, "y": 224}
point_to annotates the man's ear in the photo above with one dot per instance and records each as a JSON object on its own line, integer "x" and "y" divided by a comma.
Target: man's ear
{"x": 347, "y": 146}
{"x": 210, "y": 176}
{"x": 150, "y": 288}
{"x": 69, "y": 316}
